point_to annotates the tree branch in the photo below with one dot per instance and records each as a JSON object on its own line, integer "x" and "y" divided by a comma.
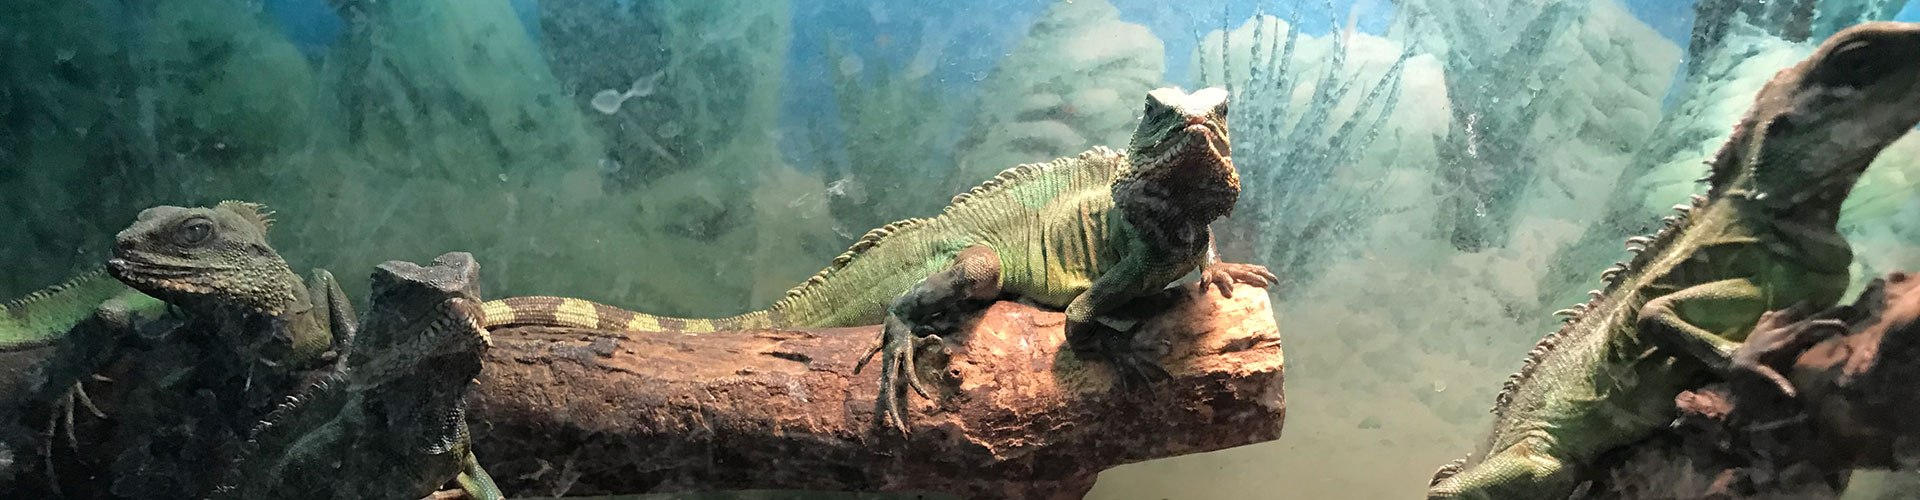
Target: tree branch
{"x": 565, "y": 411}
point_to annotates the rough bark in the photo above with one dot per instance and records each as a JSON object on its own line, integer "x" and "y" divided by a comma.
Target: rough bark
{"x": 565, "y": 411}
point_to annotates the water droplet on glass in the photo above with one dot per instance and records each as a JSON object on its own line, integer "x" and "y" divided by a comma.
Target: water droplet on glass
{"x": 851, "y": 64}
{"x": 608, "y": 101}
{"x": 644, "y": 86}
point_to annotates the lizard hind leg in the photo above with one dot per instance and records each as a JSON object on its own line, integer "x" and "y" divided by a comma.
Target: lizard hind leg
{"x": 935, "y": 305}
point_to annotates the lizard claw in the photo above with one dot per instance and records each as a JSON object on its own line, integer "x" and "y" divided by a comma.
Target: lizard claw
{"x": 1779, "y": 337}
{"x": 64, "y": 409}
{"x": 1132, "y": 368}
{"x": 1223, "y": 275}
{"x": 898, "y": 344}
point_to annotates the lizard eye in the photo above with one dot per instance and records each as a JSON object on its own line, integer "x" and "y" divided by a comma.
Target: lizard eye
{"x": 1854, "y": 65}
{"x": 194, "y": 232}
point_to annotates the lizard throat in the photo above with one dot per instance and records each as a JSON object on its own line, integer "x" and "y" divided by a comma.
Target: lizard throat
{"x": 1171, "y": 197}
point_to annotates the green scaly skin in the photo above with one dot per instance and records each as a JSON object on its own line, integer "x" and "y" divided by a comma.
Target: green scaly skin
{"x": 1763, "y": 238}
{"x": 42, "y": 317}
{"x": 1087, "y": 233}
{"x": 216, "y": 265}
{"x": 389, "y": 422}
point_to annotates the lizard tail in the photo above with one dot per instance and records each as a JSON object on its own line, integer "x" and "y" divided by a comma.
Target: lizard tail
{"x": 41, "y": 317}
{"x": 577, "y": 313}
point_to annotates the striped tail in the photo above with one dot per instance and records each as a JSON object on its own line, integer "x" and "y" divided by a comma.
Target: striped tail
{"x": 42, "y": 317}
{"x": 577, "y": 313}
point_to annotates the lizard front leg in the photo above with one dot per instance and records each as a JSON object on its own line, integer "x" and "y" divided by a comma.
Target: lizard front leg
{"x": 919, "y": 315}
{"x": 341, "y": 322}
{"x": 1223, "y": 275}
{"x": 1135, "y": 276}
{"x": 1685, "y": 322}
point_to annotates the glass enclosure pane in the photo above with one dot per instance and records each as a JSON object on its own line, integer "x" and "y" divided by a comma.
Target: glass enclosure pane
{"x": 1430, "y": 179}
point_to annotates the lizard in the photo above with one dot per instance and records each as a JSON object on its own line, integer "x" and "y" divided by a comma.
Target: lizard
{"x": 217, "y": 266}
{"x": 1085, "y": 233}
{"x": 388, "y": 421}
{"x": 42, "y": 318}
{"x": 64, "y": 334}
{"x": 211, "y": 270}
{"x": 163, "y": 261}
{"x": 1848, "y": 370}
{"x": 216, "y": 263}
{"x": 1763, "y": 237}
{"x": 248, "y": 274}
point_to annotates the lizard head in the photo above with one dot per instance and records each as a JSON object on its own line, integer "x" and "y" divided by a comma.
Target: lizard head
{"x": 1181, "y": 156}
{"x": 205, "y": 257}
{"x": 1817, "y": 125}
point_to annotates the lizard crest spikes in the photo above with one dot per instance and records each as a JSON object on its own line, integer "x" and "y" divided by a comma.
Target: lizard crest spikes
{"x": 1764, "y": 236}
{"x": 253, "y": 212}
{"x": 1085, "y": 233}
{"x": 861, "y": 246}
{"x": 199, "y": 255}
{"x": 42, "y": 317}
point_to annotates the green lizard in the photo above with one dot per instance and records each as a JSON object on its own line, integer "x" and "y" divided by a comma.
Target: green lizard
{"x": 212, "y": 261}
{"x": 1086, "y": 233}
{"x": 1763, "y": 237}
{"x": 387, "y": 422}
{"x": 42, "y": 318}
{"x": 214, "y": 268}
{"x": 215, "y": 264}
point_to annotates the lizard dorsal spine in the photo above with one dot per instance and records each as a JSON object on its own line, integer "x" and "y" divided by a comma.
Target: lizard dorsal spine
{"x": 1001, "y": 182}
{"x": 1645, "y": 249}
{"x": 860, "y": 246}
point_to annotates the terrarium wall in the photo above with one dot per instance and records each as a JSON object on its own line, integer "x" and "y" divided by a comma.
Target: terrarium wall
{"x": 1430, "y": 177}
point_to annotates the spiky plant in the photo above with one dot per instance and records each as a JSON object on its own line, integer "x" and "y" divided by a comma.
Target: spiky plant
{"x": 1297, "y": 216}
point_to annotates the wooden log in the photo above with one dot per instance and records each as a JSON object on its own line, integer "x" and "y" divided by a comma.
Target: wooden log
{"x": 573, "y": 412}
